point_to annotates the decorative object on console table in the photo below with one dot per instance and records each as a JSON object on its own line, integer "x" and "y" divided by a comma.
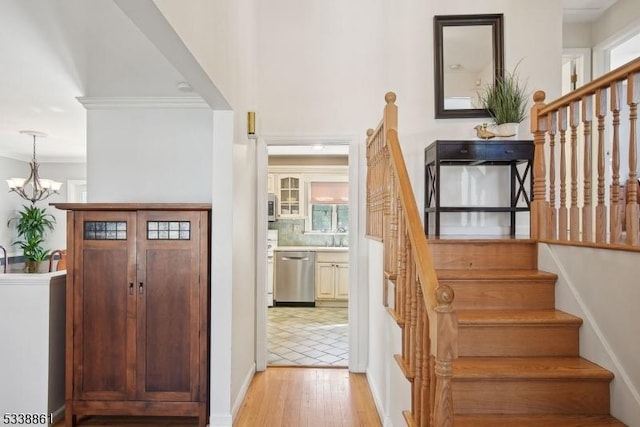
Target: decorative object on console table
{"x": 506, "y": 100}
{"x": 483, "y": 133}
{"x": 478, "y": 153}
{"x": 138, "y": 285}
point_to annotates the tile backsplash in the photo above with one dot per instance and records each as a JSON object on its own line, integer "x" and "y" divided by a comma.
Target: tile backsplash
{"x": 291, "y": 233}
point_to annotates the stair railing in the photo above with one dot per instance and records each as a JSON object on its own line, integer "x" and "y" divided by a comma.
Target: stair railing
{"x": 422, "y": 307}
{"x": 563, "y": 129}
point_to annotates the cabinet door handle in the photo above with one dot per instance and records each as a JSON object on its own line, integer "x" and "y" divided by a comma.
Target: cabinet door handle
{"x": 131, "y": 288}
{"x": 140, "y": 287}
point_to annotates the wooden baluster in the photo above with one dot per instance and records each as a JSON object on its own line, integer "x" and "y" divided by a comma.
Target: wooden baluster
{"x": 389, "y": 213}
{"x": 416, "y": 387}
{"x": 563, "y": 220}
{"x": 601, "y": 209}
{"x": 447, "y": 351}
{"x": 408, "y": 289}
{"x": 574, "y": 211}
{"x": 632, "y": 210}
{"x": 413, "y": 317}
{"x": 425, "y": 394}
{"x": 539, "y": 205}
{"x": 552, "y": 119}
{"x": 616, "y": 208}
{"x": 587, "y": 212}
{"x": 398, "y": 305}
{"x": 369, "y": 181}
{"x": 432, "y": 387}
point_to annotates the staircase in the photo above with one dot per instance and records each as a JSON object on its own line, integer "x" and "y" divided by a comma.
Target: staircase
{"x": 519, "y": 362}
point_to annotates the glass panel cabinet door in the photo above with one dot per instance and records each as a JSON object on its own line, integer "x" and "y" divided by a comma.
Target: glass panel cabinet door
{"x": 290, "y": 196}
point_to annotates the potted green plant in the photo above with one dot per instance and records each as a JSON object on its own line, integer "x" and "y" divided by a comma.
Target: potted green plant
{"x": 506, "y": 100}
{"x": 31, "y": 224}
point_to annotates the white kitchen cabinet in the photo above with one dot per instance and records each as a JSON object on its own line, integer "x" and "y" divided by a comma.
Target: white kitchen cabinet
{"x": 271, "y": 183}
{"x": 290, "y": 196}
{"x": 332, "y": 275}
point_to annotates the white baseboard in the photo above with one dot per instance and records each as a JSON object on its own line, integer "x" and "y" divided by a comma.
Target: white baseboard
{"x": 58, "y": 414}
{"x": 243, "y": 391}
{"x": 386, "y": 421}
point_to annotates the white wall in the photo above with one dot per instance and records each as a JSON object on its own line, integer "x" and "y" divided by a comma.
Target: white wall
{"x": 221, "y": 36}
{"x": 313, "y": 68}
{"x": 61, "y": 172}
{"x": 10, "y": 202}
{"x": 576, "y": 35}
{"x": 618, "y": 19}
{"x": 601, "y": 287}
{"x": 324, "y": 68}
{"x": 149, "y": 154}
{"x": 410, "y": 47}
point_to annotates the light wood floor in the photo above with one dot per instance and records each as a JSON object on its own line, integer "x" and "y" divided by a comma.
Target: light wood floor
{"x": 308, "y": 397}
{"x": 287, "y": 397}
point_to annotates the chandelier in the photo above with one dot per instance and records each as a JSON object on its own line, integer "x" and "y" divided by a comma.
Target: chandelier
{"x": 40, "y": 188}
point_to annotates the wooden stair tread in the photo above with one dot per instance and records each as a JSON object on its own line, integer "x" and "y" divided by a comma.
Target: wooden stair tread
{"x": 551, "y": 420}
{"x": 479, "y": 274}
{"x": 517, "y": 368}
{"x": 516, "y": 317}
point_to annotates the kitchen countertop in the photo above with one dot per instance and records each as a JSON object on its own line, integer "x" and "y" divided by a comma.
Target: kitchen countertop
{"x": 312, "y": 248}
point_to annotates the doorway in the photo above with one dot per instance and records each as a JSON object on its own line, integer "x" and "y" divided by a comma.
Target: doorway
{"x": 334, "y": 325}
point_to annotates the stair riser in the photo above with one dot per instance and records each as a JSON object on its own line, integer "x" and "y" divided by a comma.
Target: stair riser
{"x": 517, "y": 341}
{"x": 531, "y": 397}
{"x": 503, "y": 295}
{"x": 480, "y": 255}
{"x": 536, "y": 421}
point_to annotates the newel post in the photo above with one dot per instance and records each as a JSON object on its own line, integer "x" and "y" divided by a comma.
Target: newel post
{"x": 390, "y": 116}
{"x": 540, "y": 227}
{"x": 446, "y": 353}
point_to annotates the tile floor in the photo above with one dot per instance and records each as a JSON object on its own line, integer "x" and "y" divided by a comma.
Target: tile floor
{"x": 307, "y": 336}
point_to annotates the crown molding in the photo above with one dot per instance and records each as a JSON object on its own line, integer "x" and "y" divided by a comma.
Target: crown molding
{"x": 118, "y": 103}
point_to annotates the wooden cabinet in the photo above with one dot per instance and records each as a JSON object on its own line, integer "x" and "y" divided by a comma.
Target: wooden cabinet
{"x": 137, "y": 310}
{"x": 332, "y": 275}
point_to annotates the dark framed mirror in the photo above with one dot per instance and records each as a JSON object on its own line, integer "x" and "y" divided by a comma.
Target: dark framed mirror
{"x": 468, "y": 53}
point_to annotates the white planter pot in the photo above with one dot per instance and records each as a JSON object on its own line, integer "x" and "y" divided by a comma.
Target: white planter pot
{"x": 506, "y": 130}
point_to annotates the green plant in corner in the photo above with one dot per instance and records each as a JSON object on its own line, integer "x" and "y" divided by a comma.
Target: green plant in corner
{"x": 31, "y": 225}
{"x": 506, "y": 98}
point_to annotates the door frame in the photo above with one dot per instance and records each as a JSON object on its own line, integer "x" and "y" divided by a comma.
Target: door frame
{"x": 358, "y": 291}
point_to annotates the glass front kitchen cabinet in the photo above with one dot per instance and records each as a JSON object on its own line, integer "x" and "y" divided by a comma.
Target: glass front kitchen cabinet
{"x": 291, "y": 196}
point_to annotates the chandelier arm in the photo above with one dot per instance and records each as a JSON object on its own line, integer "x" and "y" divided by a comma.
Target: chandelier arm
{"x": 38, "y": 191}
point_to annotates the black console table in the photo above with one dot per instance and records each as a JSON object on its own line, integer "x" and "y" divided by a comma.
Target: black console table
{"x": 478, "y": 152}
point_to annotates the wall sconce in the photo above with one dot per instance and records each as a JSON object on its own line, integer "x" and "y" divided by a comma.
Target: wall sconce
{"x": 251, "y": 125}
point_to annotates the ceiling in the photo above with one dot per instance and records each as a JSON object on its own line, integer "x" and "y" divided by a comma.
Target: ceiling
{"x": 53, "y": 51}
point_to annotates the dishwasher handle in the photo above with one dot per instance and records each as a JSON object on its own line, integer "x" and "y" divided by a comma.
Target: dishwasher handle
{"x": 295, "y": 258}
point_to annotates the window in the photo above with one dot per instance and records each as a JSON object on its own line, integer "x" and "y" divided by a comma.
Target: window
{"x": 329, "y": 211}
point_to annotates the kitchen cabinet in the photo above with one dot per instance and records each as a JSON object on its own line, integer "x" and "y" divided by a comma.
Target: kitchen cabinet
{"x": 137, "y": 310}
{"x": 332, "y": 275}
{"x": 271, "y": 183}
{"x": 290, "y": 196}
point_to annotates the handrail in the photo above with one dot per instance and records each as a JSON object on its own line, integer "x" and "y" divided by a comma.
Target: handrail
{"x": 590, "y": 88}
{"x": 588, "y": 124}
{"x": 426, "y": 273}
{"x": 422, "y": 307}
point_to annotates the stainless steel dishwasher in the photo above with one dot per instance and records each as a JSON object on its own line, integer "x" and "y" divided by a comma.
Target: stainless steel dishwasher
{"x": 295, "y": 278}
